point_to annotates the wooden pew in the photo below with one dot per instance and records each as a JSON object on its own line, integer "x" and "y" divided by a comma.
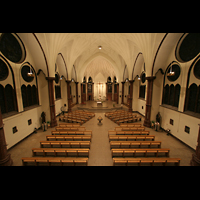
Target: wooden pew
{"x": 132, "y": 138}
{"x": 70, "y": 128}
{"x": 125, "y": 125}
{"x": 134, "y": 152}
{"x": 68, "y": 137}
{"x": 115, "y": 133}
{"x": 65, "y": 144}
{"x": 71, "y": 133}
{"x": 129, "y": 128}
{"x": 141, "y": 161}
{"x": 69, "y": 125}
{"x": 132, "y": 144}
{"x": 69, "y": 161}
{"x": 61, "y": 152}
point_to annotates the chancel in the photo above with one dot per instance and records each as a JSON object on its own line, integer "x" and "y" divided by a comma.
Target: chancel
{"x": 125, "y": 78}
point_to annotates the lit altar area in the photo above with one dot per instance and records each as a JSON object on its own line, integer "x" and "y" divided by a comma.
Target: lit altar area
{"x": 99, "y": 93}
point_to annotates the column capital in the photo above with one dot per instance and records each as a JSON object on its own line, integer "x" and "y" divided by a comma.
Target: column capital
{"x": 150, "y": 78}
{"x": 50, "y": 78}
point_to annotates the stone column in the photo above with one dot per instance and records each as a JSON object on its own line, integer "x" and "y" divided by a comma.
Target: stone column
{"x": 69, "y": 96}
{"x": 5, "y": 158}
{"x": 196, "y": 157}
{"x": 131, "y": 95}
{"x": 150, "y": 80}
{"x": 52, "y": 101}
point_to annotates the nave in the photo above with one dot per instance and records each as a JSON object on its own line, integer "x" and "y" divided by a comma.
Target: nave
{"x": 100, "y": 152}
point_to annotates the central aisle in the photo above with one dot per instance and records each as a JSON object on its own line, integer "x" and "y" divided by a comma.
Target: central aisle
{"x": 100, "y": 154}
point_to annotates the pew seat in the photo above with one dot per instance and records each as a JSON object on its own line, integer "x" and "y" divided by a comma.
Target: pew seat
{"x": 49, "y": 161}
{"x": 68, "y": 137}
{"x": 67, "y": 152}
{"x": 65, "y": 144}
{"x": 132, "y": 144}
{"x": 143, "y": 161}
{"x": 139, "y": 152}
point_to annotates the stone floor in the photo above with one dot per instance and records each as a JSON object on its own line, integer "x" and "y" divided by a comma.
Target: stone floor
{"x": 100, "y": 154}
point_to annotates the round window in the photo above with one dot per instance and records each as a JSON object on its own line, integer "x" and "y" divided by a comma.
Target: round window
{"x": 12, "y": 48}
{"x": 3, "y": 70}
{"x": 24, "y": 71}
{"x": 188, "y": 47}
{"x": 173, "y": 76}
{"x": 197, "y": 69}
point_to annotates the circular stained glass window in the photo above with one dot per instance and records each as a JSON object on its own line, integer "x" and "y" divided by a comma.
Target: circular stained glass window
{"x": 197, "y": 69}
{"x": 12, "y": 48}
{"x": 24, "y": 72}
{"x": 176, "y": 69}
{"x": 3, "y": 70}
{"x": 188, "y": 47}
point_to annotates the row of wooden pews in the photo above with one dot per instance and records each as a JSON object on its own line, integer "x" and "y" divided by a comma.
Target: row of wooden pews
{"x": 68, "y": 145}
{"x": 77, "y": 116}
{"x": 130, "y": 147}
{"x": 122, "y": 116}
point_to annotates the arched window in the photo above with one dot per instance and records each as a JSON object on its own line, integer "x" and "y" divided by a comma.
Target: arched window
{"x": 142, "y": 85}
{"x": 177, "y": 95}
{"x": 192, "y": 100}
{"x": 8, "y": 100}
{"x": 2, "y": 99}
{"x": 57, "y": 86}
{"x": 9, "y": 92}
{"x": 29, "y": 85}
{"x": 192, "y": 97}
{"x": 171, "y": 95}
{"x": 24, "y": 96}
{"x": 171, "y": 91}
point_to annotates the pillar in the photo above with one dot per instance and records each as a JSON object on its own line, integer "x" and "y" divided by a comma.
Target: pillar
{"x": 122, "y": 92}
{"x": 52, "y": 101}
{"x": 130, "y": 95}
{"x": 196, "y": 156}
{"x": 5, "y": 158}
{"x": 69, "y": 96}
{"x": 150, "y": 80}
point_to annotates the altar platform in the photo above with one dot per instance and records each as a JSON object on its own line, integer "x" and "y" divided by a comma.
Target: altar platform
{"x": 102, "y": 107}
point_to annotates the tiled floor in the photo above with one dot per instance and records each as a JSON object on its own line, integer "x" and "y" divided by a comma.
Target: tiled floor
{"x": 100, "y": 154}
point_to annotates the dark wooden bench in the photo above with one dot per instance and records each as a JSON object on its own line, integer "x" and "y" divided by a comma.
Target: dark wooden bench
{"x": 71, "y": 133}
{"x": 139, "y": 152}
{"x": 65, "y": 144}
{"x": 70, "y": 128}
{"x": 125, "y": 125}
{"x": 142, "y": 128}
{"x": 61, "y": 152}
{"x": 114, "y": 133}
{"x": 69, "y": 161}
{"x": 68, "y": 138}
{"x": 72, "y": 125}
{"x": 132, "y": 144}
{"x": 142, "y": 161}
{"x": 131, "y": 138}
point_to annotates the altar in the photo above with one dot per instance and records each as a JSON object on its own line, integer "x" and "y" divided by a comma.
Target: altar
{"x": 99, "y": 103}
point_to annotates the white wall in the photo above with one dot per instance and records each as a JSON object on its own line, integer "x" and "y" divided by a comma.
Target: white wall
{"x": 21, "y": 121}
{"x": 180, "y": 121}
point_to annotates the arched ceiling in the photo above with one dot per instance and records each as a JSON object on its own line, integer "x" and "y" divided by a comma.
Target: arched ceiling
{"x": 99, "y": 65}
{"x": 81, "y": 50}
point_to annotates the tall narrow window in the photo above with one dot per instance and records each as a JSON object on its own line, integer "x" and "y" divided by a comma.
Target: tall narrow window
{"x": 8, "y": 102}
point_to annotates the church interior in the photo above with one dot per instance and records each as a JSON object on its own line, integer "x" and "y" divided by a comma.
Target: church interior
{"x": 100, "y": 99}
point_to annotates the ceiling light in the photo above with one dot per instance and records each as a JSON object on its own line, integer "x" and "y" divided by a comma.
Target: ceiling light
{"x": 100, "y": 47}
